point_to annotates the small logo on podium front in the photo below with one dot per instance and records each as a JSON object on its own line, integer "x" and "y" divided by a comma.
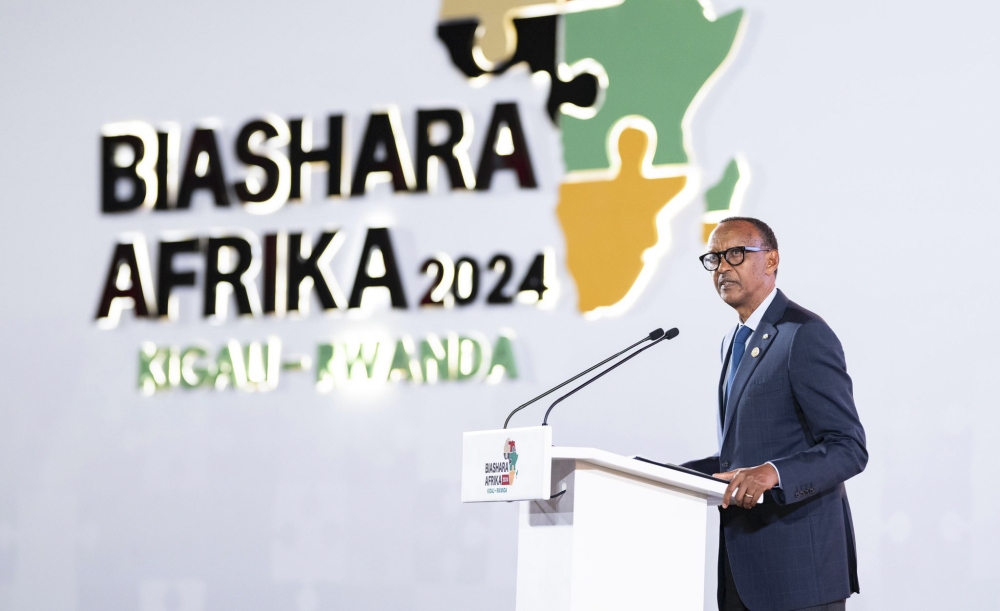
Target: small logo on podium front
{"x": 500, "y": 474}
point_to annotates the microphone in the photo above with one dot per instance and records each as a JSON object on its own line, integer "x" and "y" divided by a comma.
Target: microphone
{"x": 671, "y": 334}
{"x": 654, "y": 335}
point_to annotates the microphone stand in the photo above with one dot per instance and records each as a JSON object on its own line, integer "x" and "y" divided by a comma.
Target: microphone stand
{"x": 671, "y": 334}
{"x": 653, "y": 335}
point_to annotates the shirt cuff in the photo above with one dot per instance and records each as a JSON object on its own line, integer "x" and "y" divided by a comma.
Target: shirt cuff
{"x": 776, "y": 471}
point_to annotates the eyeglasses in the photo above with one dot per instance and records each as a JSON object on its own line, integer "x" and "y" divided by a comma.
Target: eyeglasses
{"x": 734, "y": 256}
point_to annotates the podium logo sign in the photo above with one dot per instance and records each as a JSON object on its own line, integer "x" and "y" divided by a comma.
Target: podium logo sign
{"x": 507, "y": 465}
{"x": 500, "y": 474}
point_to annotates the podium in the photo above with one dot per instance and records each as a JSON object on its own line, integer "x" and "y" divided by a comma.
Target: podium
{"x": 597, "y": 531}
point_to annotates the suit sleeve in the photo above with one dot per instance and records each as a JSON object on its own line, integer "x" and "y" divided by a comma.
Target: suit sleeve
{"x": 824, "y": 393}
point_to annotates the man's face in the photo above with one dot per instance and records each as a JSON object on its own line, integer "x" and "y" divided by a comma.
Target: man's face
{"x": 748, "y": 283}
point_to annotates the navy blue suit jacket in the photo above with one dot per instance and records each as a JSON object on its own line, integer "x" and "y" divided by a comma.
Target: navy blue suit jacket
{"x": 792, "y": 405}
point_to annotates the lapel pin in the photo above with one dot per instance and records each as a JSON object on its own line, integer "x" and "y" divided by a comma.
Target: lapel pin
{"x": 765, "y": 336}
{"x": 755, "y": 352}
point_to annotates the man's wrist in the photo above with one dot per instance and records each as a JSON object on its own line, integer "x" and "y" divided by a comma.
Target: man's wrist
{"x": 776, "y": 472}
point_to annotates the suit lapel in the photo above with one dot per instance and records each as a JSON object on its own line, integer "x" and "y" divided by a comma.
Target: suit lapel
{"x": 749, "y": 362}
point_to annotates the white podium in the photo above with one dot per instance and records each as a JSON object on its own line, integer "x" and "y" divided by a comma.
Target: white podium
{"x": 597, "y": 531}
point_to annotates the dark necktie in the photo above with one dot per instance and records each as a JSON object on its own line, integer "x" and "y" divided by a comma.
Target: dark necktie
{"x": 739, "y": 347}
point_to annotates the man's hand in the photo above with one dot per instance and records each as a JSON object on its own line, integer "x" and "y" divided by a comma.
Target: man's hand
{"x": 749, "y": 484}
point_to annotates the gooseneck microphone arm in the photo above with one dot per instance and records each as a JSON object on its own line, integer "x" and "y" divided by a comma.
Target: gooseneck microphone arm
{"x": 653, "y": 335}
{"x": 671, "y": 334}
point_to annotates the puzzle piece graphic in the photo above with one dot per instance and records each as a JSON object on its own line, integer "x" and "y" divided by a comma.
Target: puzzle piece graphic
{"x": 495, "y": 35}
{"x": 660, "y": 57}
{"x": 725, "y": 197}
{"x": 537, "y": 47}
{"x": 610, "y": 221}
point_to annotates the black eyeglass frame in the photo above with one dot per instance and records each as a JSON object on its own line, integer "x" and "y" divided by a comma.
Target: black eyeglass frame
{"x": 724, "y": 254}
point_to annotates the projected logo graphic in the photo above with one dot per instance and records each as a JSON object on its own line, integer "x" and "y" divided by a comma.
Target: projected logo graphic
{"x": 625, "y": 79}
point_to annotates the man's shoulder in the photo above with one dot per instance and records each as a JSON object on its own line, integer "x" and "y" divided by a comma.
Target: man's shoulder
{"x": 786, "y": 314}
{"x": 797, "y": 315}
{"x": 807, "y": 326}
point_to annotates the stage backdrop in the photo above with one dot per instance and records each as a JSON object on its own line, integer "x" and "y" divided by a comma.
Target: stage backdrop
{"x": 263, "y": 263}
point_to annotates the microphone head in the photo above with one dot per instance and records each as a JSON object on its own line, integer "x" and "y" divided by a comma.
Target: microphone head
{"x": 656, "y": 334}
{"x": 671, "y": 334}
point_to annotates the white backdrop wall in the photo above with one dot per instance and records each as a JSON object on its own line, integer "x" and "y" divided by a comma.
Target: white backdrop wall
{"x": 870, "y": 129}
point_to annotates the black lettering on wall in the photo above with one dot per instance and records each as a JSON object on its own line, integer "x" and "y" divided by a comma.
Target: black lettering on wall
{"x": 168, "y": 147}
{"x": 378, "y": 239}
{"x": 299, "y": 269}
{"x": 132, "y": 291}
{"x": 304, "y": 157}
{"x": 214, "y": 277}
{"x": 271, "y": 272}
{"x": 518, "y": 159}
{"x": 167, "y": 279}
{"x": 383, "y": 150}
{"x": 162, "y": 170}
{"x": 452, "y": 151}
{"x": 111, "y": 174}
{"x": 250, "y": 158}
{"x": 211, "y": 175}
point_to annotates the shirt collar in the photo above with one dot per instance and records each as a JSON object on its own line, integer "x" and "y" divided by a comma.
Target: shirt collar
{"x": 754, "y": 320}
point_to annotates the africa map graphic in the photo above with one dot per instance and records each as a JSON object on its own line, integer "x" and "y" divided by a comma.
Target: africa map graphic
{"x": 626, "y": 77}
{"x": 510, "y": 453}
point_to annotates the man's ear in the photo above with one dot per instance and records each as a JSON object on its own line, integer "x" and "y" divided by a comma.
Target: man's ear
{"x": 773, "y": 259}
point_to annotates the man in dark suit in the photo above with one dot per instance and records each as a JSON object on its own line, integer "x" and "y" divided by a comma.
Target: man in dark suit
{"x": 789, "y": 437}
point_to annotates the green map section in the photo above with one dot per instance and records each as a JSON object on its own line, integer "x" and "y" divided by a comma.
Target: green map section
{"x": 658, "y": 54}
{"x": 720, "y": 195}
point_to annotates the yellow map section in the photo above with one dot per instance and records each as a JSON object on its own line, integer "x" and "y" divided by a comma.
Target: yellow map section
{"x": 609, "y": 222}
